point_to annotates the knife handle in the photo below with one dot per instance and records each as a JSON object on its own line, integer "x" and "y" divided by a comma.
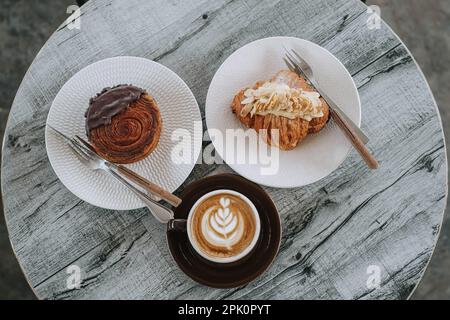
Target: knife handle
{"x": 347, "y": 121}
{"x": 150, "y": 186}
{"x": 357, "y": 143}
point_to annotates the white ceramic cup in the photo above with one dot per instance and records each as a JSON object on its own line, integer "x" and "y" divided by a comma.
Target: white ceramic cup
{"x": 244, "y": 252}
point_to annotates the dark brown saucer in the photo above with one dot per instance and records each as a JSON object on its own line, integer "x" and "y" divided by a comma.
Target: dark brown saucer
{"x": 230, "y": 275}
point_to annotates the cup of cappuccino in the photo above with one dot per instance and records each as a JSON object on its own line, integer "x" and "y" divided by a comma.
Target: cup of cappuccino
{"x": 223, "y": 226}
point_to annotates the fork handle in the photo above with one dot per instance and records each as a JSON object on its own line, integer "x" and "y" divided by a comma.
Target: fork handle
{"x": 356, "y": 131}
{"x": 357, "y": 143}
{"x": 149, "y": 186}
{"x": 160, "y": 212}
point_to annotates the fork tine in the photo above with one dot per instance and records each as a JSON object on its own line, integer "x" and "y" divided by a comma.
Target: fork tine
{"x": 303, "y": 65}
{"x": 299, "y": 57}
{"x": 81, "y": 150}
{"x": 291, "y": 58}
{"x": 298, "y": 66}
{"x": 80, "y": 144}
{"x": 87, "y": 144}
{"x": 294, "y": 61}
{"x": 288, "y": 58}
{"x": 287, "y": 51}
{"x": 289, "y": 64}
{"x": 297, "y": 60}
{"x": 78, "y": 154}
{"x": 294, "y": 64}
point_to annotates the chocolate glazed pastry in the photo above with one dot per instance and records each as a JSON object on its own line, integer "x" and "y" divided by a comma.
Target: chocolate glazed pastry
{"x": 123, "y": 124}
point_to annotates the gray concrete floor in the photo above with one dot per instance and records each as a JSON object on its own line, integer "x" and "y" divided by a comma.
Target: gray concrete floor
{"x": 423, "y": 25}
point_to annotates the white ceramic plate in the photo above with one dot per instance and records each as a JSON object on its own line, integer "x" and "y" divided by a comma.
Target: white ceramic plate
{"x": 179, "y": 110}
{"x": 315, "y": 157}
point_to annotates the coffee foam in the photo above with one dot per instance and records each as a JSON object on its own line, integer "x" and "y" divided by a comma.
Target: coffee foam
{"x": 223, "y": 225}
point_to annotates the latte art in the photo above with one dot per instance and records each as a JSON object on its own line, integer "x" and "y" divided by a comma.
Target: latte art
{"x": 220, "y": 226}
{"x": 223, "y": 225}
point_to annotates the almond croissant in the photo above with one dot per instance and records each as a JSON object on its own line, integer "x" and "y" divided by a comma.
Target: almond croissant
{"x": 292, "y": 124}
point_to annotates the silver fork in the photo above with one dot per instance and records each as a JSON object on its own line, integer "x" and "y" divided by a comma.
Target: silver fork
{"x": 299, "y": 65}
{"x": 358, "y": 139}
{"x": 160, "y": 212}
{"x": 156, "y": 192}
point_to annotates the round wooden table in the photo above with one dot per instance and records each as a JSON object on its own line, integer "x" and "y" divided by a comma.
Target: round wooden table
{"x": 358, "y": 234}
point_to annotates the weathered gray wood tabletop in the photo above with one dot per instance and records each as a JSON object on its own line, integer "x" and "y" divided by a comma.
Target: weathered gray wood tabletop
{"x": 337, "y": 233}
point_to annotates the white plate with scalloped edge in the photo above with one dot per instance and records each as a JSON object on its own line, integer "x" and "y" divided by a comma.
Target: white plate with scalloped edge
{"x": 315, "y": 157}
{"x": 162, "y": 166}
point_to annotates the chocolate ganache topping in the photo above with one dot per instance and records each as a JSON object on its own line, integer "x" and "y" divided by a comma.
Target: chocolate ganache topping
{"x": 109, "y": 103}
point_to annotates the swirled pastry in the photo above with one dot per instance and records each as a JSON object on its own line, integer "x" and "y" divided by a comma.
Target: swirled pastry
{"x": 123, "y": 124}
{"x": 284, "y": 110}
